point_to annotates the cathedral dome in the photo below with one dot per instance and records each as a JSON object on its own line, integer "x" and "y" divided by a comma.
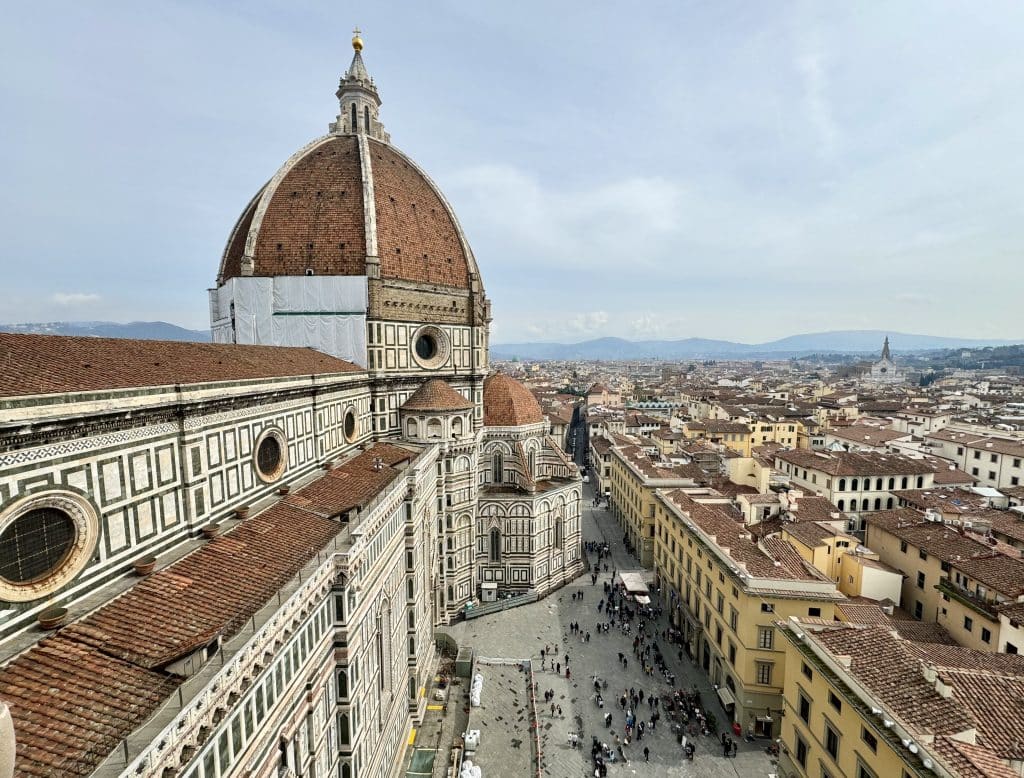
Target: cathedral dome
{"x": 340, "y": 201}
{"x": 507, "y": 403}
{"x": 351, "y": 204}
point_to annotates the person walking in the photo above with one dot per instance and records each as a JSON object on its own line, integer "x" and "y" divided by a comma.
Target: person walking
{"x": 647, "y": 754}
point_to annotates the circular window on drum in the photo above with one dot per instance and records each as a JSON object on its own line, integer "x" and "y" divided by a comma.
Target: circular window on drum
{"x": 351, "y": 429}
{"x": 430, "y": 347}
{"x": 45, "y": 541}
{"x": 271, "y": 455}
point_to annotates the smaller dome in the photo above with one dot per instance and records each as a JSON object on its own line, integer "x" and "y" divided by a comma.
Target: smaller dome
{"x": 436, "y": 395}
{"x": 507, "y": 403}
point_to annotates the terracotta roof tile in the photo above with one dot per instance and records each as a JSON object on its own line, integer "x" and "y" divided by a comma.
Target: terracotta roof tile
{"x": 856, "y": 463}
{"x": 507, "y": 403}
{"x": 75, "y": 695}
{"x": 436, "y": 395}
{"x": 417, "y": 238}
{"x": 46, "y": 364}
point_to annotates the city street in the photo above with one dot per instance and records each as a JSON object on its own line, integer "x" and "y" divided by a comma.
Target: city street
{"x": 523, "y": 632}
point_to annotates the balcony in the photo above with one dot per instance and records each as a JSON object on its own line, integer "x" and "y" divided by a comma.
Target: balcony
{"x": 969, "y": 599}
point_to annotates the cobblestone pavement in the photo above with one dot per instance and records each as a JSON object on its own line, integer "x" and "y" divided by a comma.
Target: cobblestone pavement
{"x": 522, "y": 632}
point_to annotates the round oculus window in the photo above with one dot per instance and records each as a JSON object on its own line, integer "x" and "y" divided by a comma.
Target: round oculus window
{"x": 35, "y": 544}
{"x": 426, "y": 346}
{"x": 350, "y": 425}
{"x": 430, "y": 347}
{"x": 46, "y": 540}
{"x": 270, "y": 457}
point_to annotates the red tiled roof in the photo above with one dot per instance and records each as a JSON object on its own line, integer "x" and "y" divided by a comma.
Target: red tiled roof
{"x": 436, "y": 395}
{"x": 75, "y": 695}
{"x": 856, "y": 463}
{"x": 47, "y": 364}
{"x": 507, "y": 403}
{"x": 315, "y": 219}
{"x": 72, "y": 704}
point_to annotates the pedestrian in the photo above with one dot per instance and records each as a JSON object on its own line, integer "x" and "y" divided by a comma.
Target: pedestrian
{"x": 543, "y": 652}
{"x": 559, "y": 711}
{"x": 552, "y": 710}
{"x": 647, "y": 754}
{"x": 735, "y": 748}
{"x": 558, "y": 668}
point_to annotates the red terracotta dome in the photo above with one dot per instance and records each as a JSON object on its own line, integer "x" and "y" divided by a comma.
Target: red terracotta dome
{"x": 507, "y": 403}
{"x": 340, "y": 200}
{"x": 436, "y": 395}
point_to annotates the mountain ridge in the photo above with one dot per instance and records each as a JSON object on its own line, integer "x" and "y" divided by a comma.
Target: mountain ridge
{"x": 144, "y": 330}
{"x": 836, "y": 341}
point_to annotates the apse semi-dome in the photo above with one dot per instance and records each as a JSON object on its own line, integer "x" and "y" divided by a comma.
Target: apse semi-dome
{"x": 350, "y": 231}
{"x": 507, "y": 403}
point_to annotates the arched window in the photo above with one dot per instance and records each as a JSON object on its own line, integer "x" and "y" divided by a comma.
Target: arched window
{"x": 497, "y": 467}
{"x": 904, "y": 483}
{"x": 842, "y": 484}
{"x": 853, "y": 504}
{"x": 434, "y": 428}
{"x": 457, "y": 427}
{"x": 495, "y": 550}
{"x": 451, "y": 594}
{"x": 842, "y": 505}
{"x": 878, "y": 503}
{"x": 531, "y": 463}
{"x": 888, "y": 504}
{"x": 920, "y": 482}
{"x": 878, "y": 484}
{"x": 353, "y": 117}
{"x": 892, "y": 483}
{"x": 853, "y": 485}
{"x": 410, "y": 428}
{"x": 558, "y": 532}
{"x": 366, "y": 119}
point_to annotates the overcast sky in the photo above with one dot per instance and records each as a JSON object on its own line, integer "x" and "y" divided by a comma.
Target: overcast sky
{"x": 742, "y": 170}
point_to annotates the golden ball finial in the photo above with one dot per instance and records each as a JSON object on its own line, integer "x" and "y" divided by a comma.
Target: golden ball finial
{"x": 357, "y": 41}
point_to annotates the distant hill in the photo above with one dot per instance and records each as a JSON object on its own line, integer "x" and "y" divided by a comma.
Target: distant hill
{"x": 841, "y": 342}
{"x": 145, "y": 330}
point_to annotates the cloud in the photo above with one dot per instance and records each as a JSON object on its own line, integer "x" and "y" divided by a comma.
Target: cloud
{"x": 587, "y": 323}
{"x": 74, "y": 298}
{"x": 812, "y": 65}
{"x": 602, "y": 225}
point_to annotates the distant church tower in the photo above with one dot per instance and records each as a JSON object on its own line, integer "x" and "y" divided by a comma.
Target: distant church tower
{"x": 884, "y": 371}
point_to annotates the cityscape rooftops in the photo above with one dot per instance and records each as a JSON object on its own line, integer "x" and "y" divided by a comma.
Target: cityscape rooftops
{"x": 855, "y": 463}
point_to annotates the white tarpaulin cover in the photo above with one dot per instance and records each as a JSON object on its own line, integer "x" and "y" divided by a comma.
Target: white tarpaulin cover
{"x": 634, "y": 582}
{"x": 327, "y": 313}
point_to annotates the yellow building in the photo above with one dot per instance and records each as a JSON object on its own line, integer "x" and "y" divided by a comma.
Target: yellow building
{"x": 634, "y": 478}
{"x": 726, "y": 590}
{"x": 865, "y": 703}
{"x": 731, "y": 434}
{"x": 952, "y": 577}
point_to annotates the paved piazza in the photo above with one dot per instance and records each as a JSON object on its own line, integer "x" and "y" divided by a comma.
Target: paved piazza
{"x": 522, "y": 632}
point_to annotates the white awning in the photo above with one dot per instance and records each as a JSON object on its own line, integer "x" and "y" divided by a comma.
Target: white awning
{"x": 726, "y": 696}
{"x": 643, "y": 599}
{"x": 633, "y": 582}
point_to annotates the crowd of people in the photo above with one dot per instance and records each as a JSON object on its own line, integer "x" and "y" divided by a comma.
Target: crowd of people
{"x": 639, "y": 712}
